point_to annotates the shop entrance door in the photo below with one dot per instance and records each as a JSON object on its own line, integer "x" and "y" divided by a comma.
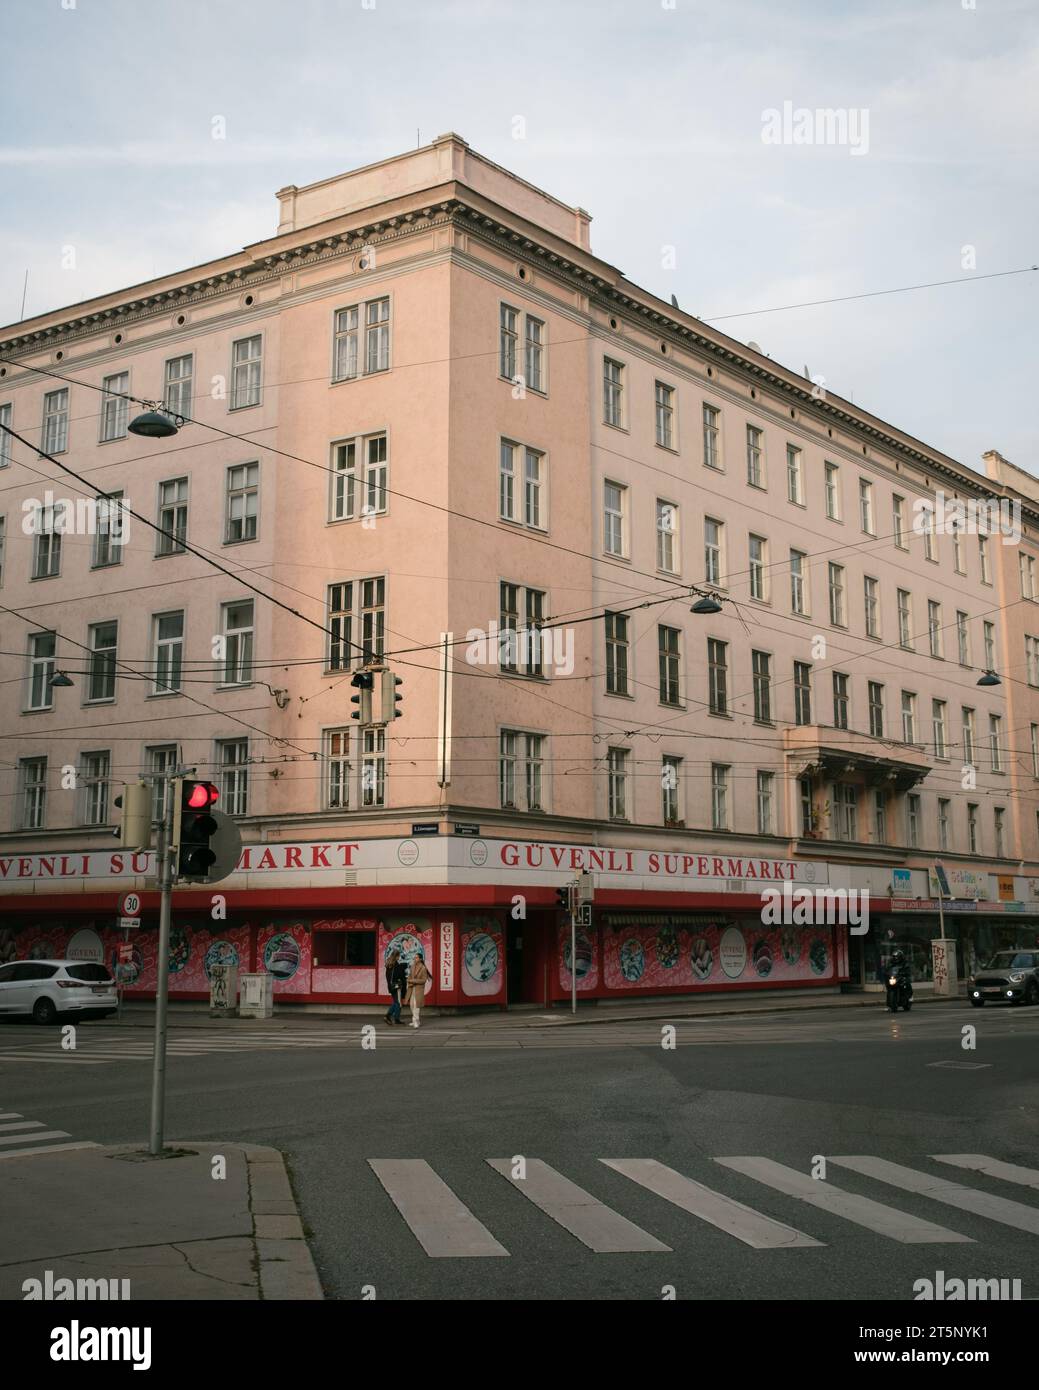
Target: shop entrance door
{"x": 514, "y": 958}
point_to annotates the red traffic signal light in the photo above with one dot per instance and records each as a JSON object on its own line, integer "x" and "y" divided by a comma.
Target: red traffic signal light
{"x": 194, "y": 828}
{"x": 200, "y": 795}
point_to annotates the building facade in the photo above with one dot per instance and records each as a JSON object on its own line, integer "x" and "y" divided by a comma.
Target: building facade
{"x": 424, "y": 425}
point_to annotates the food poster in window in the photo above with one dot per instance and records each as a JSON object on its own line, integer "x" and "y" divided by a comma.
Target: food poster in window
{"x": 587, "y": 960}
{"x": 410, "y": 936}
{"x": 716, "y": 952}
{"x": 195, "y": 949}
{"x": 482, "y": 958}
{"x": 327, "y": 977}
{"x": 283, "y": 950}
{"x": 43, "y": 942}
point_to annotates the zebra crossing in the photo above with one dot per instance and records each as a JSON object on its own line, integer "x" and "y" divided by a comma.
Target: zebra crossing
{"x": 20, "y": 1137}
{"x": 445, "y": 1227}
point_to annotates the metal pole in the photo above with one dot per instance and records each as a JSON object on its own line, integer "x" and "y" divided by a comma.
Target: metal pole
{"x": 573, "y": 950}
{"x": 172, "y": 788}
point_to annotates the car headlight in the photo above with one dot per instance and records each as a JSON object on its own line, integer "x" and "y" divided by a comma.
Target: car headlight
{"x": 1015, "y": 979}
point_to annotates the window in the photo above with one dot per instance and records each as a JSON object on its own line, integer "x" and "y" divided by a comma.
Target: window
{"x": 3, "y": 537}
{"x": 373, "y": 619}
{"x": 532, "y": 489}
{"x": 246, "y": 363}
{"x": 617, "y": 783}
{"x": 845, "y": 812}
{"x": 56, "y": 421}
{"x": 1035, "y": 749}
{"x": 943, "y": 823}
{"x": 761, "y": 666}
{"x": 177, "y": 385}
{"x": 243, "y": 502}
{"x": 1032, "y": 660}
{"x": 377, "y": 336}
{"x": 957, "y": 549}
{"x": 671, "y": 790}
{"x": 337, "y": 769}
{"x": 1027, "y": 567}
{"x": 713, "y": 536}
{"x": 115, "y": 406}
{"x": 840, "y": 700}
{"x": 797, "y": 582}
{"x": 876, "y": 709}
{"x": 6, "y": 423}
{"x": 169, "y": 652}
{"x": 972, "y": 827}
{"x": 711, "y": 430}
{"x": 508, "y": 338}
{"x": 46, "y": 549}
{"x": 836, "y": 594}
{"x": 719, "y": 796}
{"x": 758, "y": 553}
{"x": 999, "y": 821}
{"x": 102, "y": 661}
{"x": 717, "y": 676}
{"x": 173, "y": 517}
{"x": 41, "y": 668}
{"x": 804, "y": 787}
{"x": 908, "y": 717}
{"x": 995, "y": 741}
{"x": 962, "y": 639}
{"x": 521, "y": 628}
{"x": 613, "y": 392}
{"x": 667, "y": 528}
{"x": 832, "y": 488}
{"x": 766, "y": 783}
{"x": 802, "y": 693}
{"x": 359, "y": 477}
{"x": 616, "y": 654}
{"x": 755, "y": 456}
{"x": 373, "y": 767}
{"x": 794, "y": 475}
{"x": 983, "y": 559}
{"x": 233, "y": 762}
{"x": 866, "y": 506}
{"x": 108, "y": 530}
{"x": 934, "y": 627}
{"x": 968, "y": 736}
{"x": 613, "y": 518}
{"x": 989, "y": 635}
{"x": 95, "y": 773}
{"x": 664, "y": 399}
{"x": 913, "y": 821}
{"x": 339, "y": 621}
{"x": 32, "y": 774}
{"x": 667, "y": 644}
{"x": 237, "y": 668}
{"x": 870, "y": 587}
{"x": 521, "y": 770}
{"x": 905, "y": 619}
{"x": 929, "y": 523}
{"x": 534, "y": 344}
{"x": 898, "y": 521}
{"x": 880, "y": 816}
{"x": 161, "y": 760}
{"x": 938, "y": 728}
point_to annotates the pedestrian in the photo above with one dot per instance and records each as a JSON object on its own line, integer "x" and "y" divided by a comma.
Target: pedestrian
{"x": 396, "y": 982}
{"x": 418, "y": 975}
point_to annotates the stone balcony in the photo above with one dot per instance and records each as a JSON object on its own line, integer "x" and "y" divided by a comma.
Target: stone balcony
{"x": 820, "y": 751}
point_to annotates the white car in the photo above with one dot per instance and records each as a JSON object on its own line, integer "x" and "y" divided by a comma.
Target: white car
{"x": 45, "y": 989}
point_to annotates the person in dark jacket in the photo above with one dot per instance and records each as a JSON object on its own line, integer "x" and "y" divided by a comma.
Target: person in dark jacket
{"x": 396, "y": 983}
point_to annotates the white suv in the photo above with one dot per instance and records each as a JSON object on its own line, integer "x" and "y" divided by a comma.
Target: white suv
{"x": 47, "y": 988}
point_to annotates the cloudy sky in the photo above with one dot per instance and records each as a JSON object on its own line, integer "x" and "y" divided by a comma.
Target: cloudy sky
{"x": 649, "y": 113}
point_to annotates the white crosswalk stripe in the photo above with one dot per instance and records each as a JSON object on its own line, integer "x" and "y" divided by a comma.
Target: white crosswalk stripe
{"x": 577, "y": 1211}
{"x": 978, "y": 1163}
{"x": 441, "y": 1224}
{"x": 875, "y": 1216}
{"x": 21, "y": 1137}
{"x": 952, "y": 1194}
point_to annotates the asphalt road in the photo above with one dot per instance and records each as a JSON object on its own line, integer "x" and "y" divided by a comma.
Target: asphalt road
{"x": 415, "y": 1121}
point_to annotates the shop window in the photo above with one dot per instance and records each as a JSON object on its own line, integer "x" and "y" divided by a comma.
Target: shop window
{"x": 355, "y": 949}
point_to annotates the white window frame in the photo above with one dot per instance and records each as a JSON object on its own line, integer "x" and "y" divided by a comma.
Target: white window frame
{"x": 115, "y": 407}
{"x": 173, "y": 516}
{"x": 615, "y": 529}
{"x": 756, "y": 470}
{"x": 167, "y": 655}
{"x": 795, "y": 481}
{"x": 55, "y": 428}
{"x": 668, "y": 548}
{"x": 234, "y": 775}
{"x": 243, "y": 493}
{"x": 177, "y": 391}
{"x": 246, "y": 373}
{"x": 236, "y": 668}
{"x": 613, "y": 393}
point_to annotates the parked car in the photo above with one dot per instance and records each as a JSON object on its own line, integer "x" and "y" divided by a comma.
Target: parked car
{"x": 1010, "y": 977}
{"x": 46, "y": 989}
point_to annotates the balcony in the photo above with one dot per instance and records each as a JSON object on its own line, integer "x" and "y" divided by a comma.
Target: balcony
{"x": 819, "y": 751}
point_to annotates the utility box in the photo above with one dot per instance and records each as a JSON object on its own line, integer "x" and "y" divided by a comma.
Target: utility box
{"x": 257, "y": 996}
{"x": 223, "y": 991}
{"x": 943, "y": 966}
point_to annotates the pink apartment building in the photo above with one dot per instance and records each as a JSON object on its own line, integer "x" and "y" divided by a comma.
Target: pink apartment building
{"x": 421, "y": 422}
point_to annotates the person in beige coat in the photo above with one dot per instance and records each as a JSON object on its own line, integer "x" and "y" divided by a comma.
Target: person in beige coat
{"x": 418, "y": 978}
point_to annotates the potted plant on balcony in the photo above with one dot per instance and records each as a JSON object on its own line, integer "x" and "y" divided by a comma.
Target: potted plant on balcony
{"x": 820, "y": 815}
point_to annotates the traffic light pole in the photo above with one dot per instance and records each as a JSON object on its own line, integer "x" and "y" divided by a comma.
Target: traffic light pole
{"x": 162, "y": 982}
{"x": 573, "y": 949}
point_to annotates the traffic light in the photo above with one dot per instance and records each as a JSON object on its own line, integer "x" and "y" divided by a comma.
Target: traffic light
{"x": 135, "y": 824}
{"x": 390, "y": 698}
{"x": 563, "y": 897}
{"x": 364, "y": 681}
{"x": 193, "y": 828}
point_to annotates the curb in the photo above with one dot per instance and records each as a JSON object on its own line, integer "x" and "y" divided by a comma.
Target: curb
{"x": 285, "y": 1265}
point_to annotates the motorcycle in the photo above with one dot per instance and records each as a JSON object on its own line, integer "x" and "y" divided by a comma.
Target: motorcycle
{"x": 899, "y": 992}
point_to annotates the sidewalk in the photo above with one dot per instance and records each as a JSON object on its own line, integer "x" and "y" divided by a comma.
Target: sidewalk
{"x": 166, "y": 1225}
{"x": 141, "y": 1015}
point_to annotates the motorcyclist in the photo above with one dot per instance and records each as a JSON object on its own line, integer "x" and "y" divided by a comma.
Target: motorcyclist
{"x": 899, "y": 967}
